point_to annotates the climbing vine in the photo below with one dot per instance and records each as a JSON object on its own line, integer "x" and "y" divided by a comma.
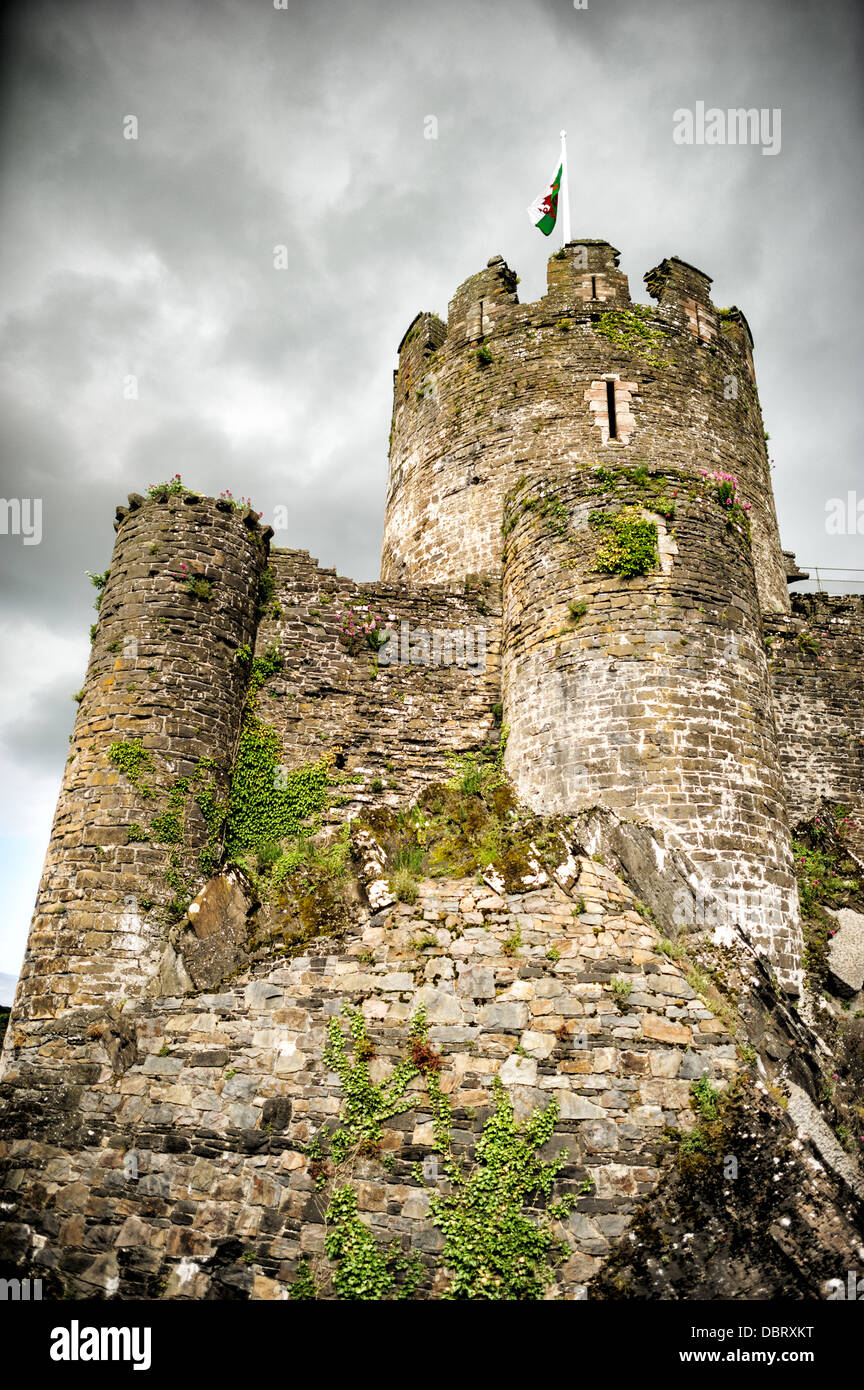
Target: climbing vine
{"x": 266, "y": 802}
{"x": 168, "y": 826}
{"x": 135, "y": 762}
{"x": 367, "y": 1105}
{"x": 267, "y": 603}
{"x": 362, "y": 1269}
{"x": 494, "y": 1246}
{"x": 262, "y": 668}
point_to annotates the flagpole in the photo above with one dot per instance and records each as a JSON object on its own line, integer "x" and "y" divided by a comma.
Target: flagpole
{"x": 565, "y": 191}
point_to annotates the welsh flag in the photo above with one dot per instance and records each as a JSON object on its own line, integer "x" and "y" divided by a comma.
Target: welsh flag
{"x": 544, "y": 210}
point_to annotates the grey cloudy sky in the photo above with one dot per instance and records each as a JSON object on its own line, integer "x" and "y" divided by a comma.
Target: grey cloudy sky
{"x": 304, "y": 127}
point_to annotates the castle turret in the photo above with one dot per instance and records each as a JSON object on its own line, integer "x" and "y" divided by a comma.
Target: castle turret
{"x": 635, "y": 677}
{"x": 137, "y": 824}
{"x": 581, "y": 377}
{"x": 592, "y": 426}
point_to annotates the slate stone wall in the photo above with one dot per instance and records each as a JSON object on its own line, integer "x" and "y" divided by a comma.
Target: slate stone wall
{"x": 396, "y": 722}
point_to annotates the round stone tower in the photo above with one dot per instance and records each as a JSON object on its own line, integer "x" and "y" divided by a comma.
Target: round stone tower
{"x": 136, "y": 827}
{"x": 606, "y": 461}
{"x": 581, "y": 377}
{"x": 635, "y": 677}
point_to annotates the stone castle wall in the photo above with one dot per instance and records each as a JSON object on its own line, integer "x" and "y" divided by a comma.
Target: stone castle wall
{"x": 396, "y": 722}
{"x": 164, "y": 1092}
{"x": 510, "y": 389}
{"x": 133, "y": 844}
{"x": 650, "y": 694}
{"x": 188, "y": 1168}
{"x": 817, "y": 680}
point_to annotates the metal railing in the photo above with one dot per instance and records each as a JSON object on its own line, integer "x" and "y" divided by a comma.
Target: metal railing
{"x": 842, "y": 576}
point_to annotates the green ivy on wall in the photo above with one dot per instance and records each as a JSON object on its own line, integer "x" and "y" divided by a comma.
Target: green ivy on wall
{"x": 262, "y": 668}
{"x": 628, "y": 542}
{"x": 168, "y": 827}
{"x": 495, "y": 1247}
{"x": 267, "y": 804}
{"x": 548, "y": 506}
{"x": 135, "y": 762}
{"x": 366, "y": 1106}
{"x": 362, "y": 1269}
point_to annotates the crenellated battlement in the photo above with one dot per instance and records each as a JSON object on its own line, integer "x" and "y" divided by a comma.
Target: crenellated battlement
{"x": 581, "y": 376}
{"x": 584, "y": 279}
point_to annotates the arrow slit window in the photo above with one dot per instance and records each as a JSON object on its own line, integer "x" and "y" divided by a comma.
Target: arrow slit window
{"x": 610, "y": 409}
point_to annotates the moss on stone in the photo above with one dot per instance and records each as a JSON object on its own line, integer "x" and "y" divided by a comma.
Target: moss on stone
{"x": 466, "y": 827}
{"x": 635, "y": 331}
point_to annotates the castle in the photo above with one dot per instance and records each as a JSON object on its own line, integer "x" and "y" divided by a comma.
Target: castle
{"x": 585, "y": 481}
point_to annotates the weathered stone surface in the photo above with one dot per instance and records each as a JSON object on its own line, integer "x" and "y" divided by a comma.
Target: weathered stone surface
{"x": 693, "y": 1065}
{"x": 816, "y": 657}
{"x": 782, "y": 1228}
{"x": 808, "y": 1121}
{"x": 504, "y": 1015}
{"x": 478, "y": 982}
{"x": 573, "y": 1107}
{"x": 214, "y": 946}
{"x": 372, "y": 872}
{"x": 663, "y": 1030}
{"x": 643, "y": 713}
{"x": 846, "y": 952}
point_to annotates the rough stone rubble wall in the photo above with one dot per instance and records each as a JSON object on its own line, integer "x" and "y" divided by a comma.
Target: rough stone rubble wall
{"x": 464, "y": 431}
{"x": 817, "y": 679}
{"x": 655, "y": 700}
{"x": 185, "y": 1172}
